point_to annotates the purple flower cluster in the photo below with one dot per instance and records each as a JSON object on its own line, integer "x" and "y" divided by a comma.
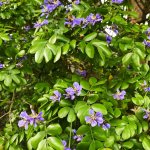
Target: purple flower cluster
{"x": 40, "y": 24}
{"x": 27, "y": 28}
{"x": 76, "y": 137}
{"x": 56, "y": 96}
{"x": 108, "y": 39}
{"x": 49, "y": 6}
{"x": 1, "y": 66}
{"x": 96, "y": 119}
{"x": 65, "y": 144}
{"x": 145, "y": 87}
{"x": 147, "y": 114}
{"x": 148, "y": 33}
{"x": 77, "y": 2}
{"x": 1, "y": 3}
{"x": 117, "y": 1}
{"x": 81, "y": 72}
{"x": 32, "y": 119}
{"x": 91, "y": 19}
{"x": 119, "y": 95}
{"x": 147, "y": 42}
{"x": 72, "y": 91}
{"x": 72, "y": 21}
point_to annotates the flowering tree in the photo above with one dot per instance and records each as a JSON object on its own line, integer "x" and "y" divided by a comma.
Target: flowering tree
{"x": 73, "y": 75}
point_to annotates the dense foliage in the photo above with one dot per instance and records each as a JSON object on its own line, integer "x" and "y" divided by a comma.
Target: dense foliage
{"x": 73, "y": 75}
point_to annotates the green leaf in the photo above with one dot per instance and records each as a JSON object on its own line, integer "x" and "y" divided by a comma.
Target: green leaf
{"x": 58, "y": 54}
{"x": 39, "y": 56}
{"x": 63, "y": 112}
{"x": 136, "y": 60}
{"x": 85, "y": 85}
{"x": 52, "y": 47}
{"x": 92, "y": 146}
{"x": 138, "y": 99}
{"x": 37, "y": 46}
{"x": 64, "y": 103}
{"x": 55, "y": 143}
{"x": 15, "y": 78}
{"x": 83, "y": 129}
{"x": 92, "y": 98}
{"x": 126, "y": 58}
{"x": 126, "y": 133}
{"x": 47, "y": 54}
{"x": 34, "y": 141}
{"x": 54, "y": 129}
{"x": 65, "y": 49}
{"x": 4, "y": 37}
{"x": 13, "y": 138}
{"x": 89, "y": 49}
{"x": 90, "y": 36}
{"x": 71, "y": 116}
{"x": 53, "y": 38}
{"x": 146, "y": 143}
{"x": 102, "y": 46}
{"x": 128, "y": 144}
{"x": 99, "y": 108}
{"x": 8, "y": 80}
{"x": 109, "y": 142}
{"x": 117, "y": 112}
{"x": 140, "y": 53}
{"x": 73, "y": 44}
{"x": 92, "y": 80}
{"x": 82, "y": 46}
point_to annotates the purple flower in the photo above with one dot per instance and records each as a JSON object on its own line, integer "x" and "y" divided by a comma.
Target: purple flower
{"x": 117, "y": 1}
{"x": 81, "y": 72}
{"x": 40, "y": 24}
{"x": 119, "y": 95}
{"x": 147, "y": 114}
{"x": 108, "y": 39}
{"x": 148, "y": 33}
{"x": 27, "y": 28}
{"x": 76, "y": 137}
{"x": 77, "y": 88}
{"x": 33, "y": 119}
{"x": 147, "y": 43}
{"x": 106, "y": 126}
{"x": 73, "y": 22}
{"x": 25, "y": 120}
{"x": 56, "y": 97}
{"x": 94, "y": 118}
{"x": 49, "y": 6}
{"x": 76, "y": 2}
{"x": 1, "y": 3}
{"x": 1, "y": 66}
{"x": 70, "y": 93}
{"x": 92, "y": 19}
{"x": 65, "y": 144}
{"x": 147, "y": 89}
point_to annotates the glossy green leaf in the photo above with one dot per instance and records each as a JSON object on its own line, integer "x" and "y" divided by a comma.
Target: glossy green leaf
{"x": 71, "y": 116}
{"x": 90, "y": 36}
{"x": 63, "y": 112}
{"x": 58, "y": 54}
{"x": 146, "y": 143}
{"x": 47, "y": 54}
{"x": 99, "y": 108}
{"x": 55, "y": 143}
{"x": 89, "y": 49}
{"x": 39, "y": 56}
{"x": 126, "y": 58}
{"x": 54, "y": 129}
